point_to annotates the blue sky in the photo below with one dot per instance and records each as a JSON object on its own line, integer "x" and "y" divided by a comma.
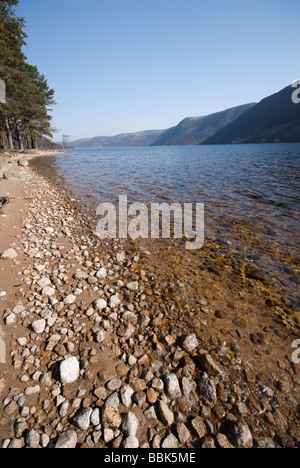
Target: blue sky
{"x": 128, "y": 65}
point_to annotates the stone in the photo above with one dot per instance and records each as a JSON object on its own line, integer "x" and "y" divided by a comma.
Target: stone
{"x": 172, "y": 386}
{"x": 114, "y": 302}
{"x": 241, "y": 435}
{"x": 109, "y": 435}
{"x": 100, "y": 393}
{"x": 83, "y": 419}
{"x": 121, "y": 257}
{"x": 130, "y": 424}
{"x": 100, "y": 336}
{"x": 189, "y": 343}
{"x": 11, "y": 408}
{"x": 151, "y": 415}
{"x": 133, "y": 286}
{"x": 207, "y": 389}
{"x": 43, "y": 282}
{"x": 95, "y": 417}
{"x": 10, "y": 319}
{"x": 167, "y": 416}
{"x": 157, "y": 384}
{"x": 114, "y": 385}
{"x": 152, "y": 396}
{"x": 13, "y": 175}
{"x": 48, "y": 291}
{"x": 170, "y": 442}
{"x": 67, "y": 440}
{"x": 81, "y": 276}
{"x": 39, "y": 326}
{"x": 100, "y": 304}
{"x": 22, "y": 341}
{"x": 131, "y": 443}
{"x": 265, "y": 443}
{"x": 69, "y": 300}
{"x": 69, "y": 371}
{"x": 183, "y": 433}
{"x": 223, "y": 442}
{"x": 126, "y": 395}
{"x": 113, "y": 400}
{"x": 32, "y": 390}
{"x": 20, "y": 429}
{"x": 208, "y": 443}
{"x": 33, "y": 439}
{"x": 111, "y": 418}
{"x": 101, "y": 274}
{"x": 126, "y": 330}
{"x": 199, "y": 427}
{"x": 208, "y": 365}
{"x": 9, "y": 254}
{"x": 122, "y": 370}
{"x": 3, "y": 384}
{"x": 23, "y": 163}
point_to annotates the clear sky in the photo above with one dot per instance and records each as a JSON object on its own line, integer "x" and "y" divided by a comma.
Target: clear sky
{"x": 121, "y": 66}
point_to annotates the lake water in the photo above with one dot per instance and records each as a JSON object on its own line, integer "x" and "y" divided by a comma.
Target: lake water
{"x": 250, "y": 192}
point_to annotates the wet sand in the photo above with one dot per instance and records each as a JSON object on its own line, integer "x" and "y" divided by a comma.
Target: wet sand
{"x": 235, "y": 386}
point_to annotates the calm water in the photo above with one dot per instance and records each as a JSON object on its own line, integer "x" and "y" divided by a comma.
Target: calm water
{"x": 251, "y": 192}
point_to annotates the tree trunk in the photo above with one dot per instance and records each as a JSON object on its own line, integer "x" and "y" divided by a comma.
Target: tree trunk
{"x": 19, "y": 136}
{"x": 9, "y": 134}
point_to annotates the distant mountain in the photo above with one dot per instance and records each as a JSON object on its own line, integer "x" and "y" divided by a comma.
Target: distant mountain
{"x": 124, "y": 140}
{"x": 195, "y": 130}
{"x": 191, "y": 131}
{"x": 275, "y": 119}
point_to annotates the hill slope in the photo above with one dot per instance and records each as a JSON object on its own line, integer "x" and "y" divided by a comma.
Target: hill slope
{"x": 124, "y": 140}
{"x": 195, "y": 130}
{"x": 275, "y": 119}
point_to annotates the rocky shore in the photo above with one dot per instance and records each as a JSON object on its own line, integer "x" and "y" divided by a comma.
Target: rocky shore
{"x": 128, "y": 345}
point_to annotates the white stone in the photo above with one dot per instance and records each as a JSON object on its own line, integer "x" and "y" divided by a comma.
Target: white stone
{"x": 18, "y": 309}
{"x": 101, "y": 274}
{"x": 83, "y": 419}
{"x": 48, "y": 291}
{"x": 130, "y": 424}
{"x": 69, "y": 300}
{"x": 39, "y": 326}
{"x": 172, "y": 386}
{"x": 9, "y": 254}
{"x": 133, "y": 286}
{"x": 131, "y": 443}
{"x": 170, "y": 442}
{"x": 69, "y": 371}
{"x": 114, "y": 302}
{"x": 67, "y": 440}
{"x": 22, "y": 341}
{"x": 126, "y": 395}
{"x": 43, "y": 282}
{"x": 100, "y": 304}
{"x": 10, "y": 319}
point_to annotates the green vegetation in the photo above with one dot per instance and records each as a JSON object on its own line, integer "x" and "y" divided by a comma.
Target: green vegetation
{"x": 24, "y": 118}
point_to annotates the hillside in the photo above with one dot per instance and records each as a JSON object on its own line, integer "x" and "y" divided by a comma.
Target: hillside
{"x": 195, "y": 130}
{"x": 275, "y": 119}
{"x": 124, "y": 140}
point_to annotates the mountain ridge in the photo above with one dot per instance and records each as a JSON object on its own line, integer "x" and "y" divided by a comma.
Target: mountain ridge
{"x": 275, "y": 119}
{"x": 190, "y": 131}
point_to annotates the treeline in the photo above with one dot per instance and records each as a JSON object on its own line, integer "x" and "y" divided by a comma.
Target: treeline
{"x": 24, "y": 118}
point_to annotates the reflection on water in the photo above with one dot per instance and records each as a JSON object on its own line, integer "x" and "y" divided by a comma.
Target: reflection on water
{"x": 251, "y": 192}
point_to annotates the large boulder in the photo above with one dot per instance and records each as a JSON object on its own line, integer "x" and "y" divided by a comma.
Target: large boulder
{"x": 13, "y": 175}
{"x": 3, "y": 166}
{"x": 4, "y": 159}
{"x": 23, "y": 163}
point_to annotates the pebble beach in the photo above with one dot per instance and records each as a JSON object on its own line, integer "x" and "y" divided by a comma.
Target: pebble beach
{"x": 122, "y": 344}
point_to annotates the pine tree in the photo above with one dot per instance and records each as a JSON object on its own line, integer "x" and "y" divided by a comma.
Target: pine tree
{"x": 25, "y": 116}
